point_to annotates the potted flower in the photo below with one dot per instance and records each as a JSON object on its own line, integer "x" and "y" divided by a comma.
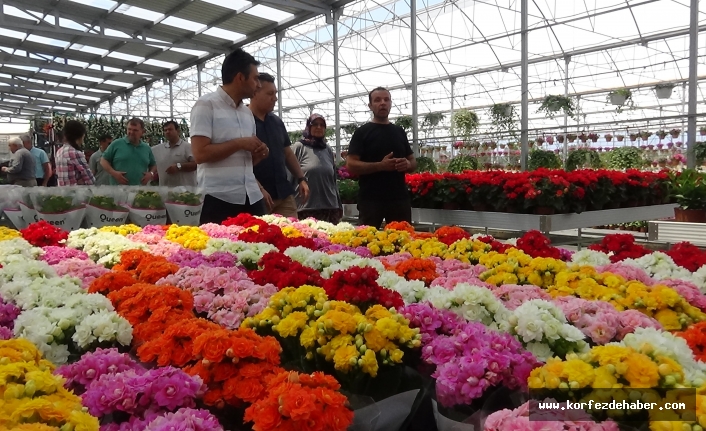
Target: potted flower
{"x": 633, "y": 137}
{"x": 552, "y": 104}
{"x": 645, "y": 135}
{"x": 675, "y": 133}
{"x": 583, "y": 137}
{"x": 620, "y": 138}
{"x": 661, "y": 133}
{"x": 560, "y": 139}
{"x": 620, "y": 96}
{"x": 570, "y": 137}
{"x": 348, "y": 190}
{"x": 689, "y": 190}
{"x": 702, "y": 131}
{"x": 664, "y": 91}
{"x": 465, "y": 122}
{"x": 608, "y": 137}
{"x": 543, "y": 159}
{"x": 593, "y": 137}
{"x": 662, "y": 162}
{"x": 539, "y": 140}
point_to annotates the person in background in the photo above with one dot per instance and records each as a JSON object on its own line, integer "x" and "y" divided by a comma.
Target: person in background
{"x": 175, "y": 162}
{"x": 129, "y": 160}
{"x": 225, "y": 144}
{"x": 319, "y": 165}
{"x": 271, "y": 173}
{"x": 71, "y": 166}
{"x": 21, "y": 171}
{"x": 102, "y": 177}
{"x": 42, "y": 167}
{"x": 380, "y": 154}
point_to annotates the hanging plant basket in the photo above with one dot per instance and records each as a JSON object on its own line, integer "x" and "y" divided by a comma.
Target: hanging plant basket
{"x": 664, "y": 91}
{"x": 560, "y": 138}
{"x": 617, "y": 99}
{"x": 620, "y": 138}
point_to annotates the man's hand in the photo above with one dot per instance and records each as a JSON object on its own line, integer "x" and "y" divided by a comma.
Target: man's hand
{"x": 402, "y": 165}
{"x": 120, "y": 178}
{"x": 147, "y": 178}
{"x": 304, "y": 191}
{"x": 252, "y": 144}
{"x": 268, "y": 200}
{"x": 172, "y": 170}
{"x": 389, "y": 163}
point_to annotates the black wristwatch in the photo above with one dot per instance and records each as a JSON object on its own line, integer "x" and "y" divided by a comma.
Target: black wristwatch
{"x": 301, "y": 179}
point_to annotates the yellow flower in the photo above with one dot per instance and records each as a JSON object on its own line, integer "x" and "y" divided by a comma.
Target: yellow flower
{"x": 375, "y": 340}
{"x": 669, "y": 319}
{"x": 308, "y": 337}
{"x": 338, "y": 320}
{"x": 291, "y": 232}
{"x": 369, "y": 363}
{"x": 388, "y": 327}
{"x": 396, "y": 355}
{"x": 83, "y": 421}
{"x": 345, "y": 358}
{"x": 576, "y": 370}
{"x": 290, "y": 325}
{"x": 7, "y": 233}
{"x": 610, "y": 355}
{"x": 123, "y": 230}
{"x": 641, "y": 371}
{"x": 191, "y": 237}
{"x": 605, "y": 377}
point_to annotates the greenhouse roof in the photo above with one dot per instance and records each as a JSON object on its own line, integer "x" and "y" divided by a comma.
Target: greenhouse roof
{"x": 69, "y": 55}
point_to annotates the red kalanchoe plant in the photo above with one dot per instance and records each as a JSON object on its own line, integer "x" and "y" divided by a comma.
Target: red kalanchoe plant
{"x": 537, "y": 245}
{"x": 450, "y": 234}
{"x": 42, "y": 234}
{"x": 687, "y": 255}
{"x": 622, "y": 245}
{"x": 244, "y": 220}
{"x": 359, "y": 287}
{"x": 494, "y": 244}
{"x": 272, "y": 234}
{"x": 278, "y": 269}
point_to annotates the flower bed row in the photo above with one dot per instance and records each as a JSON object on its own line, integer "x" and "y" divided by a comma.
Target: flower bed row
{"x": 216, "y": 313}
{"x": 562, "y": 191}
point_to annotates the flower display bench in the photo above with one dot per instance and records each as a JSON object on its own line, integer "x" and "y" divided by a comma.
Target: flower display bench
{"x": 673, "y": 232}
{"x": 543, "y": 223}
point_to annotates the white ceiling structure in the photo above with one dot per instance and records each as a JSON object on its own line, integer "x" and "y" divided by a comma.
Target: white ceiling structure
{"x": 69, "y": 55}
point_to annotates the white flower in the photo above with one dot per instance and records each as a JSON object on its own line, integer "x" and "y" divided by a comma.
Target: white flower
{"x": 103, "y": 326}
{"x": 543, "y": 322}
{"x": 540, "y": 351}
{"x": 58, "y": 354}
{"x": 412, "y": 291}
{"x": 590, "y": 257}
{"x": 18, "y": 250}
{"x": 25, "y": 270}
{"x": 347, "y": 261}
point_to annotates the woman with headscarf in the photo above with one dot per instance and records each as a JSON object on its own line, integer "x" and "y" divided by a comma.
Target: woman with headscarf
{"x": 318, "y": 163}
{"x": 71, "y": 166}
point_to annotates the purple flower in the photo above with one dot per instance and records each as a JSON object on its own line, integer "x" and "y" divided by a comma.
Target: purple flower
{"x": 5, "y": 333}
{"x": 81, "y": 374}
{"x": 193, "y": 259}
{"x": 186, "y": 419}
{"x": 53, "y": 254}
{"x": 8, "y": 314}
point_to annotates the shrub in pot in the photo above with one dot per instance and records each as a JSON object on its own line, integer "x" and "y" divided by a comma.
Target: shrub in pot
{"x": 689, "y": 191}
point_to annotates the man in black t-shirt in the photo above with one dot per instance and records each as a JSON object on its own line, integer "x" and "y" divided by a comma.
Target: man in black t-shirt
{"x": 380, "y": 154}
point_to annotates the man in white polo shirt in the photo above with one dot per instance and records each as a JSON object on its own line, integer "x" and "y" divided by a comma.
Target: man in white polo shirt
{"x": 224, "y": 144}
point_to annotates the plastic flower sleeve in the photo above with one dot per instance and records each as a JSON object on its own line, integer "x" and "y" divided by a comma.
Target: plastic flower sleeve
{"x": 445, "y": 423}
{"x": 146, "y": 206}
{"x": 29, "y": 215}
{"x": 366, "y": 412}
{"x": 10, "y": 198}
{"x": 107, "y": 207}
{"x": 63, "y": 207}
{"x": 184, "y": 205}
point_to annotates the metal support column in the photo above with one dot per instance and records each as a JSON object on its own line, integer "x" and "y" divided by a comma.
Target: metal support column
{"x": 451, "y": 116}
{"x": 413, "y": 45}
{"x": 127, "y": 103}
{"x": 110, "y": 107}
{"x": 147, "y": 99}
{"x": 524, "y": 71}
{"x": 171, "y": 98}
{"x": 278, "y": 43}
{"x": 336, "y": 14}
{"x": 567, "y": 60}
{"x": 199, "y": 69}
{"x": 693, "y": 65}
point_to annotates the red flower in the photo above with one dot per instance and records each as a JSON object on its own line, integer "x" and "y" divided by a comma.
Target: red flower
{"x": 42, "y": 234}
{"x": 282, "y": 271}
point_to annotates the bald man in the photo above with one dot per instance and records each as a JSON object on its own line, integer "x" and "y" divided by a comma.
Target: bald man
{"x": 22, "y": 166}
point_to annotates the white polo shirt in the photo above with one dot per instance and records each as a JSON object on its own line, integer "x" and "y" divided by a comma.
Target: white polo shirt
{"x": 217, "y": 117}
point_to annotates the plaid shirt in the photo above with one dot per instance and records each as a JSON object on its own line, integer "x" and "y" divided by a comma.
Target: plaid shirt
{"x": 72, "y": 168}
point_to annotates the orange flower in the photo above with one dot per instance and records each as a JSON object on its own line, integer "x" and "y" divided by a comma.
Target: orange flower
{"x": 248, "y": 390}
{"x": 400, "y": 225}
{"x": 175, "y": 346}
{"x": 417, "y": 269}
{"x": 213, "y": 345}
{"x": 695, "y": 337}
{"x": 111, "y": 282}
{"x": 151, "y": 272}
{"x": 130, "y": 259}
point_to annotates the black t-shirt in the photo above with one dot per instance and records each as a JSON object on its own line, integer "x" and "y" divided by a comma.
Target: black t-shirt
{"x": 372, "y": 142}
